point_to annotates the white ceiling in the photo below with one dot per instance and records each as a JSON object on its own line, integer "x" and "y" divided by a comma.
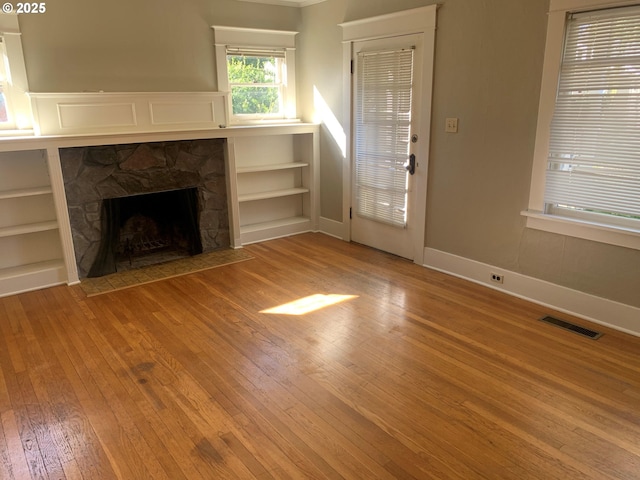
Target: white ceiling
{"x": 286, "y": 3}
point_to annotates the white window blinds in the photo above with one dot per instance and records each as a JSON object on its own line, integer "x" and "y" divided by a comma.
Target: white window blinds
{"x": 383, "y": 128}
{"x": 594, "y": 154}
{"x": 256, "y": 52}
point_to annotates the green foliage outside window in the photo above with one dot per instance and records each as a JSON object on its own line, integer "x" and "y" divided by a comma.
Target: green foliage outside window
{"x": 254, "y": 87}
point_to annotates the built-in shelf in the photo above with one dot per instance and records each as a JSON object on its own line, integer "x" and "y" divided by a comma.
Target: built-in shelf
{"x": 28, "y": 228}
{"x": 31, "y": 254}
{"x": 282, "y": 227}
{"x": 283, "y": 222}
{"x": 250, "y": 197}
{"x": 270, "y": 168}
{"x": 25, "y": 192}
{"x": 32, "y": 276}
{"x": 32, "y": 268}
{"x": 273, "y": 186}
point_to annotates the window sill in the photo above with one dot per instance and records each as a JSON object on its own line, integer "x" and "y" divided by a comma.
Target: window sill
{"x": 597, "y": 232}
{"x": 16, "y": 133}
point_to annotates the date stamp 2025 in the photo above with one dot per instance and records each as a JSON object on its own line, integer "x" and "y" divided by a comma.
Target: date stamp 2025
{"x": 24, "y": 8}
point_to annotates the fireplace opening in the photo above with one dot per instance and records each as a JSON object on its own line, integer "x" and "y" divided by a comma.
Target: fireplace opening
{"x": 140, "y": 230}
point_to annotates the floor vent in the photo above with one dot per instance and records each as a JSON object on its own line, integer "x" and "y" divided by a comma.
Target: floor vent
{"x": 585, "y": 332}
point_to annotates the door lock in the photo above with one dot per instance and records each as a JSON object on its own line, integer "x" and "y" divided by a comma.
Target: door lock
{"x": 411, "y": 166}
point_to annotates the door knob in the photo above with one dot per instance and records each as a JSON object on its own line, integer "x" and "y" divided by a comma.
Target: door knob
{"x": 411, "y": 166}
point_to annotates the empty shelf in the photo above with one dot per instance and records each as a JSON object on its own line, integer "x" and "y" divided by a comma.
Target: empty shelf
{"x": 25, "y": 192}
{"x": 248, "y": 197}
{"x": 28, "y": 228}
{"x": 269, "y": 168}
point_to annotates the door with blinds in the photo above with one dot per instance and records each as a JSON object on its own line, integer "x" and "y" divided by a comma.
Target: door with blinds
{"x": 385, "y": 144}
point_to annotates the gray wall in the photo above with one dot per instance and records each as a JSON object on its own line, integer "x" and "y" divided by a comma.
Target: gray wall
{"x": 135, "y": 45}
{"x": 488, "y": 67}
{"x": 489, "y": 56}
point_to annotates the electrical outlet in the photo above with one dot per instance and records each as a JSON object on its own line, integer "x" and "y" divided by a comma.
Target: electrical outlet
{"x": 451, "y": 125}
{"x": 497, "y": 278}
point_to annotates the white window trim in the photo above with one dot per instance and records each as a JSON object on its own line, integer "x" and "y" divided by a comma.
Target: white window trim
{"x": 16, "y": 90}
{"x": 536, "y": 216}
{"x": 247, "y": 38}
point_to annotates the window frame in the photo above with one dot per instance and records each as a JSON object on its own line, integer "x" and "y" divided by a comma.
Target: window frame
{"x": 236, "y": 38}
{"x": 16, "y": 87}
{"x": 279, "y": 84}
{"x": 591, "y": 227}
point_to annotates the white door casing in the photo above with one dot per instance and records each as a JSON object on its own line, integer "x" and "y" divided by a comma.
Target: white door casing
{"x": 422, "y": 22}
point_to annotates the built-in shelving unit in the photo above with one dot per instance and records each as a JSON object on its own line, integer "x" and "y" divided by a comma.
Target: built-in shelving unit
{"x": 272, "y": 191}
{"x": 273, "y": 188}
{"x": 31, "y": 254}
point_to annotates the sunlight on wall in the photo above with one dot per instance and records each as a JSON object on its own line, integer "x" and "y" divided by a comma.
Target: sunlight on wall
{"x": 323, "y": 114}
{"x": 309, "y": 304}
{"x": 22, "y": 121}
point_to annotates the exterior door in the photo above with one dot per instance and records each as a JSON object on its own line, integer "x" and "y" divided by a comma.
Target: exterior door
{"x": 386, "y": 147}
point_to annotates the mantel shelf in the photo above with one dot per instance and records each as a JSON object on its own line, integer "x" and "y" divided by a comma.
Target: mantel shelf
{"x": 273, "y": 167}
{"x": 249, "y": 197}
{"x": 25, "y": 192}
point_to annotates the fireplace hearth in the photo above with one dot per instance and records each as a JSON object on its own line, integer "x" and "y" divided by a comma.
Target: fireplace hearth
{"x": 132, "y": 205}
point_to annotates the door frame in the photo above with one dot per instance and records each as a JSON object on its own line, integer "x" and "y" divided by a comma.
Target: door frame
{"x": 414, "y": 21}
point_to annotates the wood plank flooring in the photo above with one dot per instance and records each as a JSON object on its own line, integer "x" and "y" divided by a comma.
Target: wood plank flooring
{"x": 417, "y": 375}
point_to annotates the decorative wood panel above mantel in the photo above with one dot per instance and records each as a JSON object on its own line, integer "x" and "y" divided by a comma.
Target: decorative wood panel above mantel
{"x": 115, "y": 112}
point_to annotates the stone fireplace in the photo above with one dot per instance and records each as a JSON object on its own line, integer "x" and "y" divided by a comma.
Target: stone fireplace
{"x": 166, "y": 197}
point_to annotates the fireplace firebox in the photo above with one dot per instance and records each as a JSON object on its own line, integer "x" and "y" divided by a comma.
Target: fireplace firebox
{"x": 140, "y": 230}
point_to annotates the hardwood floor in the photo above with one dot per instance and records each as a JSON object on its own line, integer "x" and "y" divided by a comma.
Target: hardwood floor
{"x": 418, "y": 375}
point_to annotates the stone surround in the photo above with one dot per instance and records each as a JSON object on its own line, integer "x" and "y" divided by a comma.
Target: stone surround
{"x": 94, "y": 173}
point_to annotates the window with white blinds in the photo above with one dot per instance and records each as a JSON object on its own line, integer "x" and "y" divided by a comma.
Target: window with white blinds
{"x": 383, "y": 129}
{"x": 594, "y": 153}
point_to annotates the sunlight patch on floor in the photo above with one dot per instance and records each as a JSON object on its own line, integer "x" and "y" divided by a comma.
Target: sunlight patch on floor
{"x": 309, "y": 304}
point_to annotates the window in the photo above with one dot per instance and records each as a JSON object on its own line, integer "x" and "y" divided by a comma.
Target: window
{"x": 383, "y": 129}
{"x": 257, "y": 70}
{"x": 4, "y": 108}
{"x": 256, "y": 81}
{"x": 15, "y": 107}
{"x": 588, "y": 155}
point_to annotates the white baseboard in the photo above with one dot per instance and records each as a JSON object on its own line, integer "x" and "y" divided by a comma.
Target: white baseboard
{"x": 332, "y": 228}
{"x": 619, "y": 316}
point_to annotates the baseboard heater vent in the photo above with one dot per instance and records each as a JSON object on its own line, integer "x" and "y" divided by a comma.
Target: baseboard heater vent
{"x": 585, "y": 332}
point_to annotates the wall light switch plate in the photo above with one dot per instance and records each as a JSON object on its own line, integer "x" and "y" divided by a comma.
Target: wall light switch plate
{"x": 451, "y": 125}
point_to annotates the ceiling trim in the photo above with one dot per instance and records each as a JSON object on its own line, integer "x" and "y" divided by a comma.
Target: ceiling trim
{"x": 286, "y": 3}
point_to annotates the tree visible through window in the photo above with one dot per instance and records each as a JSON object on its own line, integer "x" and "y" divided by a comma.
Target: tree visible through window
{"x": 256, "y": 84}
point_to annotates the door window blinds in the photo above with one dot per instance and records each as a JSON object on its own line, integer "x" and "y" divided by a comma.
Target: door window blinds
{"x": 383, "y": 128}
{"x": 594, "y": 154}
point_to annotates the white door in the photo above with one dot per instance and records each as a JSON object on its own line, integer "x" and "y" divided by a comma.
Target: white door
{"x": 386, "y": 144}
